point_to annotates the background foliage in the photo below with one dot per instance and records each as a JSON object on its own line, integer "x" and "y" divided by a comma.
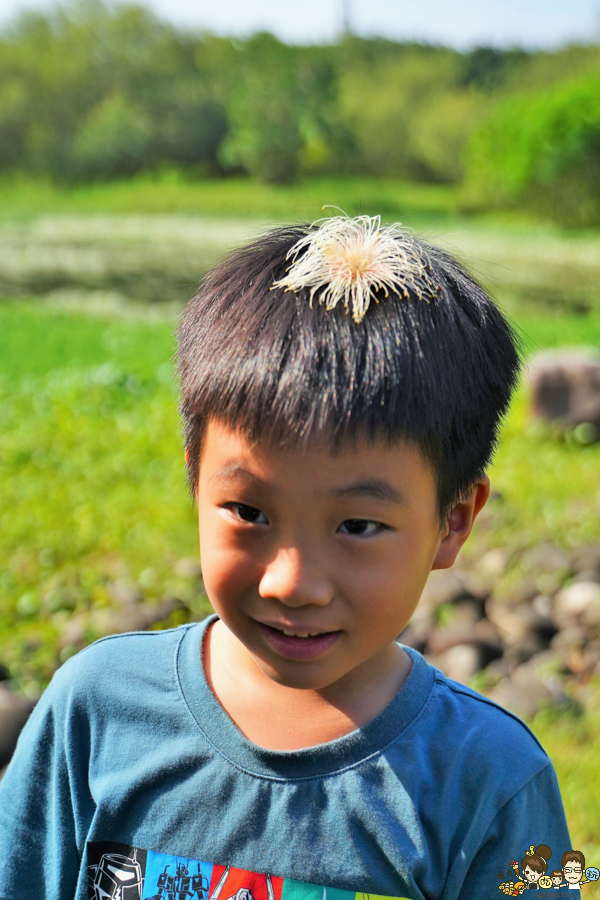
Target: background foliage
{"x": 90, "y": 92}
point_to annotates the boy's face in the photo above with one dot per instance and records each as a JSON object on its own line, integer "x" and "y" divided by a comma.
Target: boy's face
{"x": 338, "y": 547}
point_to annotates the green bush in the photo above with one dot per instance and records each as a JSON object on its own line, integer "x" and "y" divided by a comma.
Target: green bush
{"x": 113, "y": 139}
{"x": 542, "y": 149}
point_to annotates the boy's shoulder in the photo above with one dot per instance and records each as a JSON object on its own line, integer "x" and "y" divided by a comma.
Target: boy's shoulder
{"x": 133, "y": 663}
{"x": 461, "y": 727}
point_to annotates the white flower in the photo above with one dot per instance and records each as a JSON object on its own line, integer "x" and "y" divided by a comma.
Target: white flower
{"x": 351, "y": 259}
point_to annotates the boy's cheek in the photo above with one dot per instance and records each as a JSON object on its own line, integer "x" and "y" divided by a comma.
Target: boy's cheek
{"x": 228, "y": 574}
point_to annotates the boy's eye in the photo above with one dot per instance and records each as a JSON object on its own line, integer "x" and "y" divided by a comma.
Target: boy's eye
{"x": 360, "y": 527}
{"x": 248, "y": 513}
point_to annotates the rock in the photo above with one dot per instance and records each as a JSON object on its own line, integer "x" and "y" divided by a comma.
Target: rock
{"x": 415, "y": 636}
{"x": 573, "y": 636}
{"x": 575, "y": 599}
{"x": 546, "y": 559}
{"x": 83, "y": 628}
{"x": 497, "y": 670}
{"x": 589, "y": 575}
{"x": 565, "y": 387}
{"x": 521, "y": 700}
{"x": 124, "y": 593}
{"x": 530, "y": 687}
{"x": 443, "y": 586}
{"x": 458, "y": 629}
{"x": 14, "y": 712}
{"x": 542, "y": 605}
{"x": 569, "y": 645}
{"x": 189, "y": 567}
{"x": 460, "y": 662}
{"x": 524, "y": 591}
{"x": 591, "y": 616}
{"x": 442, "y": 639}
{"x": 522, "y": 651}
{"x": 587, "y": 559}
{"x": 494, "y": 563}
{"x": 488, "y": 639}
{"x": 518, "y": 622}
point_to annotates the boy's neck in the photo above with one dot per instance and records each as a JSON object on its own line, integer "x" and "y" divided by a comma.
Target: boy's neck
{"x": 282, "y": 718}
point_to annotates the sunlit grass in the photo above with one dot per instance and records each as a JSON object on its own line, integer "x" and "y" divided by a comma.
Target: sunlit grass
{"x": 572, "y": 742}
{"x": 172, "y": 192}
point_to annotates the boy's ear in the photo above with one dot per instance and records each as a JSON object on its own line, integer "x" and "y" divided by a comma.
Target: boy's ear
{"x": 460, "y": 522}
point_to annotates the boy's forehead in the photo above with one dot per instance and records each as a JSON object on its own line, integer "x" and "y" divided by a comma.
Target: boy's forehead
{"x": 229, "y": 453}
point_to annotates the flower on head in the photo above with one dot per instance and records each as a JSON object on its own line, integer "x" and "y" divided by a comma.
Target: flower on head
{"x": 350, "y": 260}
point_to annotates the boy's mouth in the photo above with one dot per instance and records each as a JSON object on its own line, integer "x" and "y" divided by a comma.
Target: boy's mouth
{"x": 295, "y": 644}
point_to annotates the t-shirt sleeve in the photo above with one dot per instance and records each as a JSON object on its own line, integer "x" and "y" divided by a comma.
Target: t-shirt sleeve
{"x": 533, "y": 816}
{"x": 39, "y": 859}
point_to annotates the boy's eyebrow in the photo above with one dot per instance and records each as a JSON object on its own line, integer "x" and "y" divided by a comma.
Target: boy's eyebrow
{"x": 234, "y": 470}
{"x": 375, "y": 488}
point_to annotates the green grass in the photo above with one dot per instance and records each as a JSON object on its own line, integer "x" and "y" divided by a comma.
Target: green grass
{"x": 171, "y": 192}
{"x": 572, "y": 742}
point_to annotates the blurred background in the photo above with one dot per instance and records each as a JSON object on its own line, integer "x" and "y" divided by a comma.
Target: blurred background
{"x": 137, "y": 145}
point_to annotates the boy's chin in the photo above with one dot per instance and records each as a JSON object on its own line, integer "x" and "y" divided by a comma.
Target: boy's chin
{"x": 303, "y": 676}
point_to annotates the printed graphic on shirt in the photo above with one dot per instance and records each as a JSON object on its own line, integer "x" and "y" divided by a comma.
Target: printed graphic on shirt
{"x": 115, "y": 872}
{"x": 120, "y": 872}
{"x": 534, "y": 873}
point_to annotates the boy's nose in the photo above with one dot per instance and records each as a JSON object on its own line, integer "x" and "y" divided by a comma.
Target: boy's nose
{"x": 295, "y": 580}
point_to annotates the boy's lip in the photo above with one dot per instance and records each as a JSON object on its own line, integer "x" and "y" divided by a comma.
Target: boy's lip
{"x": 293, "y": 646}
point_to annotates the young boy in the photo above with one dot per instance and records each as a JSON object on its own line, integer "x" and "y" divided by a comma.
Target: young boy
{"x": 342, "y": 387}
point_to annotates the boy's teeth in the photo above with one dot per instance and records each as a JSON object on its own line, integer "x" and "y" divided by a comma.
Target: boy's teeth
{"x": 297, "y": 634}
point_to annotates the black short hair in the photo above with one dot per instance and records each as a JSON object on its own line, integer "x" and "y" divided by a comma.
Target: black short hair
{"x": 437, "y": 371}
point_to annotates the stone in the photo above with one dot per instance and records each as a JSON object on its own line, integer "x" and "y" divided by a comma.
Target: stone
{"x": 124, "y": 593}
{"x": 587, "y": 559}
{"x": 545, "y": 559}
{"x": 575, "y": 599}
{"x": 14, "y": 712}
{"x": 522, "y": 651}
{"x": 493, "y": 563}
{"x": 83, "y": 628}
{"x": 587, "y": 575}
{"x": 188, "y": 567}
{"x": 442, "y": 639}
{"x": 569, "y": 645}
{"x": 529, "y": 688}
{"x": 414, "y": 636}
{"x": 591, "y": 616}
{"x": 497, "y": 670}
{"x": 460, "y": 663}
{"x": 443, "y": 586}
{"x": 523, "y": 701}
{"x": 573, "y": 636}
{"x": 565, "y": 387}
{"x": 518, "y": 622}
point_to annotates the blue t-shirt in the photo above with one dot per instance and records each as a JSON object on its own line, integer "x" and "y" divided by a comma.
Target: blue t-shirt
{"x": 131, "y": 782}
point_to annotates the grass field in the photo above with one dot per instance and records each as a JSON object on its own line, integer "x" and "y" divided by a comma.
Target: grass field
{"x": 92, "y": 477}
{"x": 154, "y": 239}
